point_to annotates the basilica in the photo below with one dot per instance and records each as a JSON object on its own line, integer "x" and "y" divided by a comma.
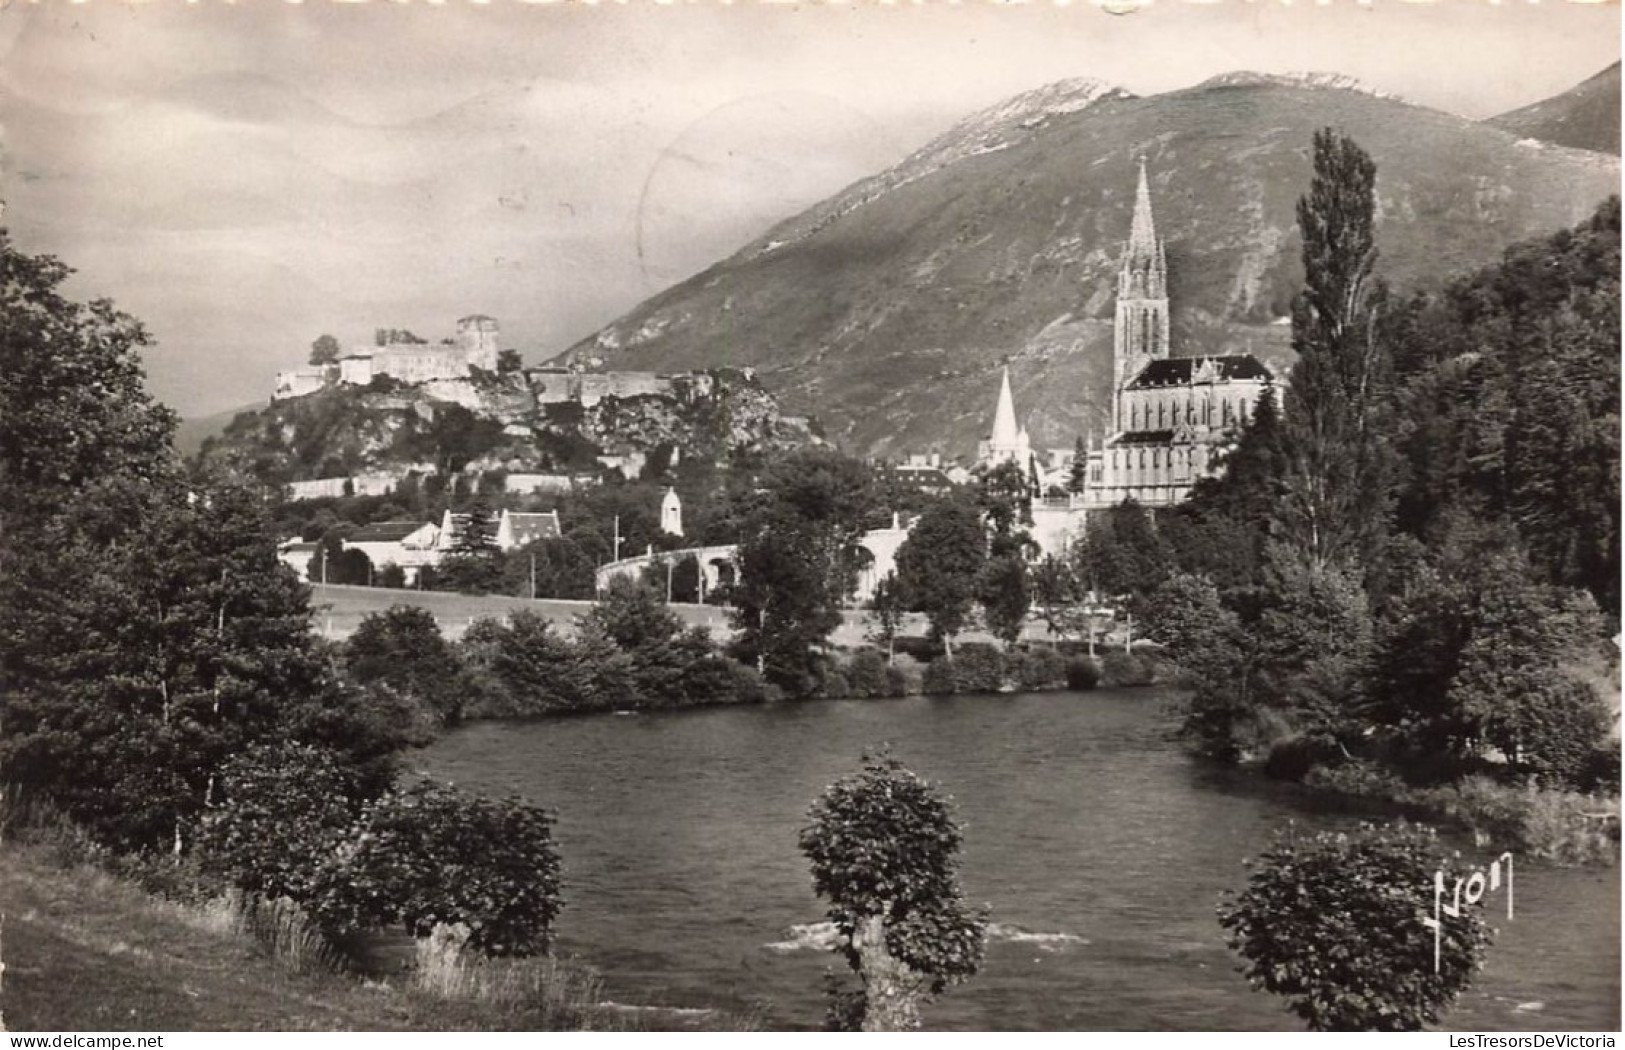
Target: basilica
{"x": 1170, "y": 416}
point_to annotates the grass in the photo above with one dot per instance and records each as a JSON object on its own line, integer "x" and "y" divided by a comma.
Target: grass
{"x": 85, "y": 950}
{"x": 339, "y": 609}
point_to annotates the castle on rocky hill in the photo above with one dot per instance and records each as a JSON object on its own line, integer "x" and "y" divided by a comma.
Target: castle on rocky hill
{"x": 403, "y": 358}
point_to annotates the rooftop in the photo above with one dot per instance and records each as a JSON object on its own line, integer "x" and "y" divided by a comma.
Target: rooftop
{"x": 1183, "y": 371}
{"x": 385, "y": 532}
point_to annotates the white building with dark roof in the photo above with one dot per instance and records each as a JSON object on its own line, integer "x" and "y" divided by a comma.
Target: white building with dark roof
{"x": 408, "y": 544}
{"x": 514, "y": 529}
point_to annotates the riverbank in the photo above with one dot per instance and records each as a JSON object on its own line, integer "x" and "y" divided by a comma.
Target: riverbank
{"x": 87, "y": 950}
{"x": 1561, "y": 827}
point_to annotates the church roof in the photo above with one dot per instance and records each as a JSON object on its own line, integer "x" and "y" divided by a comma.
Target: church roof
{"x": 1144, "y": 437}
{"x": 1183, "y": 371}
{"x": 385, "y": 532}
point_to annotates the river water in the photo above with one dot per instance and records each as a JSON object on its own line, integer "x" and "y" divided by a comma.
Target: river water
{"x": 1100, "y": 846}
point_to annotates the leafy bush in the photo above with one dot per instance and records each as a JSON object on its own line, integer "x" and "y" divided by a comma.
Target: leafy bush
{"x": 286, "y": 809}
{"x": 1082, "y": 672}
{"x": 1293, "y": 757}
{"x": 922, "y": 649}
{"x": 979, "y": 668}
{"x": 866, "y": 675}
{"x": 833, "y": 684}
{"x": 902, "y": 678}
{"x": 1359, "y": 779}
{"x": 1036, "y": 669}
{"x": 429, "y": 855}
{"x": 1118, "y": 669}
{"x": 941, "y": 677}
{"x": 1330, "y": 922}
{"x": 1601, "y": 771}
{"x": 883, "y": 847}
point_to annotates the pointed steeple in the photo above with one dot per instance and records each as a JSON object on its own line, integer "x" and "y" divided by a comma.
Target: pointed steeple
{"x": 1142, "y": 237}
{"x": 1140, "y": 333}
{"x": 1004, "y": 418}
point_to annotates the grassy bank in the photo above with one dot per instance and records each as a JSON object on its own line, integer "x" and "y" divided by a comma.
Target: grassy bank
{"x": 85, "y": 950}
{"x": 1550, "y": 824}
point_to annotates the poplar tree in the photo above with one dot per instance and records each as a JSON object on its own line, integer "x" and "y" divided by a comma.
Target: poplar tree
{"x": 1336, "y": 494}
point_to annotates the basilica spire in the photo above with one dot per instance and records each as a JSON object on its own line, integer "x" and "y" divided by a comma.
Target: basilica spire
{"x": 1142, "y": 237}
{"x": 1140, "y": 333}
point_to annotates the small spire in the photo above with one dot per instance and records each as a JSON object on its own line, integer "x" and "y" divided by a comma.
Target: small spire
{"x": 1004, "y": 416}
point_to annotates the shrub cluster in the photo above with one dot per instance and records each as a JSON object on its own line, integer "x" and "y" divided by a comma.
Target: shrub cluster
{"x": 289, "y": 827}
{"x": 1119, "y": 669}
{"x": 1565, "y": 827}
{"x": 1082, "y": 672}
{"x": 629, "y": 651}
{"x": 430, "y": 855}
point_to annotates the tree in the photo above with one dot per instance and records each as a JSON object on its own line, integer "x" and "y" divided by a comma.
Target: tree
{"x": 474, "y": 564}
{"x": 1219, "y": 659}
{"x": 1004, "y": 589}
{"x": 324, "y": 351}
{"x": 883, "y": 847}
{"x": 938, "y": 565}
{"x": 1314, "y": 639}
{"x": 1122, "y": 552}
{"x": 1513, "y": 684}
{"x": 182, "y": 642}
{"x": 886, "y": 609}
{"x": 403, "y": 648}
{"x": 73, "y": 407}
{"x": 1337, "y": 495}
{"x": 1055, "y": 589}
{"x": 798, "y": 563}
{"x": 1077, "y": 476}
{"x": 1005, "y": 497}
{"x": 509, "y": 361}
{"x": 1332, "y": 922}
{"x": 456, "y": 437}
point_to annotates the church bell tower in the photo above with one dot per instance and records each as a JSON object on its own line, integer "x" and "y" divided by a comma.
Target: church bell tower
{"x": 1140, "y": 334}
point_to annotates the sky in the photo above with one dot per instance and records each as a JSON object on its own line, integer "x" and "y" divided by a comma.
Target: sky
{"x": 245, "y": 177}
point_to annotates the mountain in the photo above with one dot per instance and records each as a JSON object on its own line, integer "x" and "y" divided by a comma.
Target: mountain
{"x": 191, "y": 433}
{"x": 1584, "y": 117}
{"x": 887, "y": 310}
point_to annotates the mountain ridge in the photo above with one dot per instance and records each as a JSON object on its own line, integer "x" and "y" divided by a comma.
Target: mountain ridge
{"x": 1586, "y": 116}
{"x": 887, "y": 309}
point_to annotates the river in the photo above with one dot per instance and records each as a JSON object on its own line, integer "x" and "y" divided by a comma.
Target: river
{"x": 1100, "y": 846}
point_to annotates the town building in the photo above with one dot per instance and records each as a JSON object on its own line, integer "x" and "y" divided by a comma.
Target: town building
{"x": 297, "y": 554}
{"x": 408, "y": 544}
{"x": 514, "y": 529}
